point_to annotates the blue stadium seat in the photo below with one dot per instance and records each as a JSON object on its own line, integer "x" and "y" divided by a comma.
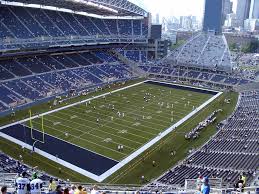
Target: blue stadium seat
{"x": 56, "y": 81}
{"x": 88, "y": 75}
{"x": 133, "y": 55}
{"x": 66, "y": 61}
{"x": 15, "y": 68}
{"x": 2, "y": 107}
{"x": 125, "y": 27}
{"x": 33, "y": 64}
{"x": 8, "y": 96}
{"x": 23, "y": 89}
{"x": 137, "y": 27}
{"x": 4, "y": 74}
{"x": 98, "y": 72}
{"x": 218, "y": 78}
{"x": 51, "y": 63}
{"x": 105, "y": 57}
{"x": 13, "y": 25}
{"x": 155, "y": 69}
{"x": 39, "y": 85}
{"x": 112, "y": 26}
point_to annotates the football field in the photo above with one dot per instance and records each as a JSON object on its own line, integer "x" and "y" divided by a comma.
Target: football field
{"x": 128, "y": 118}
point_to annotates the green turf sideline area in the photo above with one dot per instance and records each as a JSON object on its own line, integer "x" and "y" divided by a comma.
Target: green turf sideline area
{"x": 130, "y": 117}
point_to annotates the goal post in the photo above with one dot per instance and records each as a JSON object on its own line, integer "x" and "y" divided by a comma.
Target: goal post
{"x": 35, "y": 139}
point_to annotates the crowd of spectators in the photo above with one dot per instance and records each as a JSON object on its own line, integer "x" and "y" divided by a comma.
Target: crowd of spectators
{"x": 203, "y": 50}
{"x": 247, "y": 65}
{"x": 194, "y": 133}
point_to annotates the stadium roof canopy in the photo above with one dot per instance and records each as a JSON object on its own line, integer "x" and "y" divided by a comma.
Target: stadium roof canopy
{"x": 99, "y": 7}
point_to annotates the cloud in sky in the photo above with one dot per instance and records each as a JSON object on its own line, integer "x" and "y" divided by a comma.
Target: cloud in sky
{"x": 173, "y": 7}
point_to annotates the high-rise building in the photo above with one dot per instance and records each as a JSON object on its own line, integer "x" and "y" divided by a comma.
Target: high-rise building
{"x": 254, "y": 9}
{"x": 242, "y": 11}
{"x": 227, "y": 8}
{"x": 212, "y": 20}
{"x": 157, "y": 18}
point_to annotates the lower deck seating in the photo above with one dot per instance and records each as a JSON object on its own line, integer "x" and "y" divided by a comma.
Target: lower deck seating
{"x": 88, "y": 75}
{"x": 2, "y": 107}
{"x": 57, "y": 81}
{"x": 10, "y": 165}
{"x": 39, "y": 85}
{"x": 98, "y": 72}
{"x": 8, "y": 96}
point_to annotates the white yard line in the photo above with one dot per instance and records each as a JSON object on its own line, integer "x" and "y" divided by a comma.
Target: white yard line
{"x": 111, "y": 128}
{"x": 108, "y": 121}
{"x": 123, "y": 126}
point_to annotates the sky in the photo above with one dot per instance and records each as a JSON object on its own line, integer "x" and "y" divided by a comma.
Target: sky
{"x": 173, "y": 7}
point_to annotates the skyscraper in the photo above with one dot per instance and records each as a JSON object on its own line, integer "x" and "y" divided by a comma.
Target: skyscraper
{"x": 212, "y": 20}
{"x": 254, "y": 9}
{"x": 157, "y": 18}
{"x": 242, "y": 12}
{"x": 227, "y": 9}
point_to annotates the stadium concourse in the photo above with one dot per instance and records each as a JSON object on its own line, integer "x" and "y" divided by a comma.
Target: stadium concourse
{"x": 62, "y": 56}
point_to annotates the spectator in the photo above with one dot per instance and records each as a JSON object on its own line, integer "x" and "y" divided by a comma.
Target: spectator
{"x": 205, "y": 188}
{"x": 198, "y": 189}
{"x": 244, "y": 179}
{"x": 73, "y": 189}
{"x": 52, "y": 185}
{"x": 66, "y": 191}
{"x": 240, "y": 184}
{"x": 80, "y": 190}
{"x": 58, "y": 190}
{"x": 199, "y": 180}
{"x": 94, "y": 190}
{"x": 22, "y": 184}
{"x": 4, "y": 190}
{"x": 35, "y": 184}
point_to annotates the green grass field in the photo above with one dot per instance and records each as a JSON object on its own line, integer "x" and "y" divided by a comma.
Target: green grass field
{"x": 140, "y": 119}
{"x": 142, "y": 165}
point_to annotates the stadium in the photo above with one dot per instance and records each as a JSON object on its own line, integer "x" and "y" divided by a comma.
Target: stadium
{"x": 83, "y": 101}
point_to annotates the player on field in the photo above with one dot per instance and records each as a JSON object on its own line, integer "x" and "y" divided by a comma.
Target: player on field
{"x": 22, "y": 184}
{"x": 36, "y": 184}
